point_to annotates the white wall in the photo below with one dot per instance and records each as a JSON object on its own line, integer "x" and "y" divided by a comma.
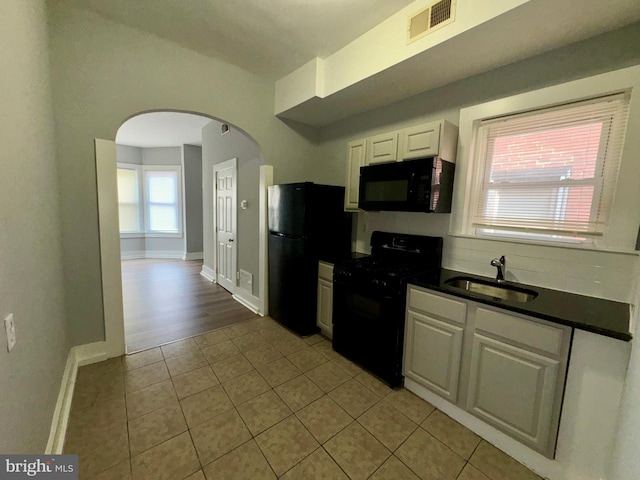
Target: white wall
{"x": 625, "y": 461}
{"x": 598, "y": 367}
{"x": 31, "y": 271}
{"x": 600, "y": 274}
{"x": 102, "y": 74}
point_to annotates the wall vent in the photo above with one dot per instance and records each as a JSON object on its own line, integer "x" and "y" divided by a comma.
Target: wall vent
{"x": 246, "y": 281}
{"x": 435, "y": 16}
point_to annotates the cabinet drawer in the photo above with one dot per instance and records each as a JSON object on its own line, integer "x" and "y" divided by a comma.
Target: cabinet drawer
{"x": 325, "y": 271}
{"x": 437, "y": 305}
{"x": 529, "y": 332}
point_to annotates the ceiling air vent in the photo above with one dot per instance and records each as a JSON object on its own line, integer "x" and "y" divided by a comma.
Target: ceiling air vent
{"x": 436, "y": 15}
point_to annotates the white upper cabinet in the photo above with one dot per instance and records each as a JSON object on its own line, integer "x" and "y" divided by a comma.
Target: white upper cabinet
{"x": 431, "y": 139}
{"x": 355, "y": 159}
{"x": 382, "y": 148}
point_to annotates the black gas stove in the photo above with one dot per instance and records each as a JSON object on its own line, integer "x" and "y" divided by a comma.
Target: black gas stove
{"x": 369, "y": 300}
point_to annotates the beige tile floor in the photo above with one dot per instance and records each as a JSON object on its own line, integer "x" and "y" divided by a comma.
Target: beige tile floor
{"x": 254, "y": 401}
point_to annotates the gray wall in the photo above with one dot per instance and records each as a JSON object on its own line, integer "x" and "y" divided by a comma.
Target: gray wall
{"x": 161, "y": 156}
{"x": 159, "y": 246}
{"x": 128, "y": 154}
{"x": 217, "y": 148}
{"x": 192, "y": 180}
{"x": 31, "y": 269}
{"x": 124, "y": 71}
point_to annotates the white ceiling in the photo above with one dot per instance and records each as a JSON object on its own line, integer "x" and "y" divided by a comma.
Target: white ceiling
{"x": 162, "y": 129}
{"x": 268, "y": 37}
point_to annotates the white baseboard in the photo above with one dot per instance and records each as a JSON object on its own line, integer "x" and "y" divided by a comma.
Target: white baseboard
{"x": 77, "y": 357}
{"x": 193, "y": 256}
{"x": 208, "y": 273}
{"x": 248, "y": 300}
{"x": 168, "y": 254}
{"x": 61, "y": 413}
{"x": 132, "y": 255}
{"x": 541, "y": 465}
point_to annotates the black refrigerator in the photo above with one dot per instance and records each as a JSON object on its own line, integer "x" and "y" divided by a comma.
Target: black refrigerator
{"x": 307, "y": 223}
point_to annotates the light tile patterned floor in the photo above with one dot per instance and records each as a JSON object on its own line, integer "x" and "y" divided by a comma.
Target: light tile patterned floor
{"x": 254, "y": 401}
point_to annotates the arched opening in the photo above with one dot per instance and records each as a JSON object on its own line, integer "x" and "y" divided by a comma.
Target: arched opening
{"x": 156, "y": 148}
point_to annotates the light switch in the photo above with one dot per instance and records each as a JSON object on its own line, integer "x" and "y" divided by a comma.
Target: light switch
{"x": 10, "y": 328}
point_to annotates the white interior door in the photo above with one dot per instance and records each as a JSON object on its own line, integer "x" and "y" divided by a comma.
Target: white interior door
{"x": 225, "y": 223}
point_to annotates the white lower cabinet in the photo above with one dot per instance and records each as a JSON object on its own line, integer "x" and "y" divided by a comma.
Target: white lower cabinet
{"x": 506, "y": 369}
{"x": 513, "y": 389}
{"x": 433, "y": 348}
{"x": 324, "y": 316}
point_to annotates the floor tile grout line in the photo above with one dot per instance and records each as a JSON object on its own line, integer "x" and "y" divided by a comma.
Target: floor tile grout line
{"x": 272, "y": 388}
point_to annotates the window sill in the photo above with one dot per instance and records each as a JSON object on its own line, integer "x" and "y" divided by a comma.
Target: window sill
{"x": 151, "y": 235}
{"x": 570, "y": 246}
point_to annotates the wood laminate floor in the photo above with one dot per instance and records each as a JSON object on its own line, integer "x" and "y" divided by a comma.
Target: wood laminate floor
{"x": 168, "y": 300}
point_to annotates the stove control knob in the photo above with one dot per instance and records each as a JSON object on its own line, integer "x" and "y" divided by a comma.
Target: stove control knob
{"x": 376, "y": 282}
{"x": 383, "y": 284}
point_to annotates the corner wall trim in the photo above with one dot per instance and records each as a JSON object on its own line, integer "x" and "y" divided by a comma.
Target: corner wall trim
{"x": 248, "y": 301}
{"x": 77, "y": 357}
{"x": 208, "y": 273}
{"x": 193, "y": 256}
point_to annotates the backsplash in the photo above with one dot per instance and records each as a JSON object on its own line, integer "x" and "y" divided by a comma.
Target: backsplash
{"x": 586, "y": 272}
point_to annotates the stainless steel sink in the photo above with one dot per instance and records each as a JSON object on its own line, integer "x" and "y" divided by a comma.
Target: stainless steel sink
{"x": 500, "y": 292}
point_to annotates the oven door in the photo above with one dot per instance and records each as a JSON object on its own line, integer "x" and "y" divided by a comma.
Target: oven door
{"x": 368, "y": 328}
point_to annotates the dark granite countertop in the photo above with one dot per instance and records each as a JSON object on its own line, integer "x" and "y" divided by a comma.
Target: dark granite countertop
{"x": 596, "y": 315}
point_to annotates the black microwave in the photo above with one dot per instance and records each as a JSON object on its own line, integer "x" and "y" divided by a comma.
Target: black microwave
{"x": 422, "y": 185}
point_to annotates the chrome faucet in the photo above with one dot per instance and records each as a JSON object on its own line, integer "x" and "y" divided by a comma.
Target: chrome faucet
{"x": 501, "y": 264}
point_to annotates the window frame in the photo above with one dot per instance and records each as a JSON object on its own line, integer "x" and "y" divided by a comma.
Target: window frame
{"x": 143, "y": 211}
{"x": 179, "y": 204}
{"x": 623, "y": 223}
{"x": 482, "y": 166}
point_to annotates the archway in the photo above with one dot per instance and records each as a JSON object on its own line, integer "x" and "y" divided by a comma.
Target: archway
{"x": 109, "y": 231}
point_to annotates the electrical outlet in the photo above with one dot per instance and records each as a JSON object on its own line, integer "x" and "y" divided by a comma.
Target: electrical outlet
{"x": 10, "y": 328}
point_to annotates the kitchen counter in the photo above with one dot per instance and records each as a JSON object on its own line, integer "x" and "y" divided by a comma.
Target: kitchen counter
{"x": 604, "y": 317}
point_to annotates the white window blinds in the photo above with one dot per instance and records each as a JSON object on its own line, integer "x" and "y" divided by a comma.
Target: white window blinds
{"x": 162, "y": 199}
{"x": 128, "y": 200}
{"x": 551, "y": 171}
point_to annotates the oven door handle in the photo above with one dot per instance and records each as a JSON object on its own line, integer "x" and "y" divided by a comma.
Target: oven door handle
{"x": 348, "y": 287}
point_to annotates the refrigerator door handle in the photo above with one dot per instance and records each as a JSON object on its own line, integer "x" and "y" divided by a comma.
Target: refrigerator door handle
{"x": 285, "y": 235}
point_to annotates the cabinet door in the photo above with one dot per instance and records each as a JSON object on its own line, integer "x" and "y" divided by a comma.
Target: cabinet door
{"x": 421, "y": 140}
{"x": 355, "y": 160}
{"x": 325, "y": 306}
{"x": 433, "y": 353}
{"x": 382, "y": 148}
{"x": 513, "y": 389}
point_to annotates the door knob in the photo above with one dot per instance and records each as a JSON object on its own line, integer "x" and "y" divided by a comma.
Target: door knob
{"x": 231, "y": 239}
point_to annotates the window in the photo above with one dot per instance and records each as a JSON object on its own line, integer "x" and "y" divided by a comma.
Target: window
{"x": 150, "y": 200}
{"x": 162, "y": 200}
{"x": 549, "y": 174}
{"x": 129, "y": 200}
